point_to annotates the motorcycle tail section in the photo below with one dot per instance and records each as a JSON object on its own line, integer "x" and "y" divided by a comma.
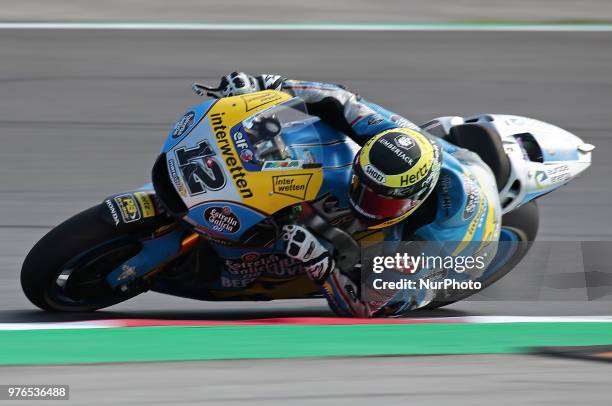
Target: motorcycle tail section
{"x": 542, "y": 156}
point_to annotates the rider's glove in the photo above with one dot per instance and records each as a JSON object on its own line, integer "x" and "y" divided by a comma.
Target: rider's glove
{"x": 305, "y": 247}
{"x": 237, "y": 83}
{"x": 270, "y": 82}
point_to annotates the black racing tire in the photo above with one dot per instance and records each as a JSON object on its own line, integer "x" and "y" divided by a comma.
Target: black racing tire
{"x": 524, "y": 221}
{"x": 82, "y": 233}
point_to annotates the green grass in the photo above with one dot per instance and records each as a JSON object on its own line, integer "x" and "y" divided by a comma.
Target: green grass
{"x": 239, "y": 342}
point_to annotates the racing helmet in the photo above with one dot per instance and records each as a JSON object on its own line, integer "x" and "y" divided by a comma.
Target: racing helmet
{"x": 393, "y": 174}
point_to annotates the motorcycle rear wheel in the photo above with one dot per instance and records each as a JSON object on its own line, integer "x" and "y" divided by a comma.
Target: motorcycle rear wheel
{"x": 65, "y": 271}
{"x": 523, "y": 223}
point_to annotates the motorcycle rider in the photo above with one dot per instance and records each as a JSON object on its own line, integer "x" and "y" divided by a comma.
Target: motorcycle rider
{"x": 397, "y": 169}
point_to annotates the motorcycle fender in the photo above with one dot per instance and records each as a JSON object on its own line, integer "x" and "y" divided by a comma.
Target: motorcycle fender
{"x": 134, "y": 210}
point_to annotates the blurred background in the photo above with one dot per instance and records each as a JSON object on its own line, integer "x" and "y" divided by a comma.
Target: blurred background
{"x": 287, "y": 11}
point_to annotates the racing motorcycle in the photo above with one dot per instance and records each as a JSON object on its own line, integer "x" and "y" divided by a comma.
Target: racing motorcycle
{"x": 220, "y": 192}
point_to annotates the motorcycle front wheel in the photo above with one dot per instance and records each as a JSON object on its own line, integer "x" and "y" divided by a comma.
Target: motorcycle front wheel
{"x": 66, "y": 270}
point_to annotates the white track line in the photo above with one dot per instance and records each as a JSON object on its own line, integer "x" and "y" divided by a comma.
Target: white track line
{"x": 92, "y": 324}
{"x": 168, "y": 26}
{"x": 60, "y": 325}
{"x": 537, "y": 319}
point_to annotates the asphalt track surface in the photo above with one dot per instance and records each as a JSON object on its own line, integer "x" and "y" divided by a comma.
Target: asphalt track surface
{"x": 287, "y": 11}
{"x": 83, "y": 115}
{"x": 471, "y": 379}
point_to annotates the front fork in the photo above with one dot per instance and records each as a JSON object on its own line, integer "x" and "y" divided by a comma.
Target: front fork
{"x": 139, "y": 213}
{"x": 153, "y": 257}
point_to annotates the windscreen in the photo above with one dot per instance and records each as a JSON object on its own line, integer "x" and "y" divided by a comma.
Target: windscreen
{"x": 273, "y": 132}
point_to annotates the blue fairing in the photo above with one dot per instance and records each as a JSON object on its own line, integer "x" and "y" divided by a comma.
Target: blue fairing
{"x": 199, "y": 112}
{"x": 336, "y": 152}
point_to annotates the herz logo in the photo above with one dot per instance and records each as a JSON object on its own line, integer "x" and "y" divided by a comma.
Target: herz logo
{"x": 291, "y": 185}
{"x": 200, "y": 169}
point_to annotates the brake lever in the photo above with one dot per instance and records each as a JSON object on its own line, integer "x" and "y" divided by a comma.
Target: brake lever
{"x": 320, "y": 223}
{"x": 203, "y": 90}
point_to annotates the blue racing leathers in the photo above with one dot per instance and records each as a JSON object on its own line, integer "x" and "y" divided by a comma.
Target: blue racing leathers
{"x": 463, "y": 212}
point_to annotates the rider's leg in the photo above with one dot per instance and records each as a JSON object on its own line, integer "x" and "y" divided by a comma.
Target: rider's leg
{"x": 343, "y": 296}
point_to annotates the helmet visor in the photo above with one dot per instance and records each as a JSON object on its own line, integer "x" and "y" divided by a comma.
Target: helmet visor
{"x": 376, "y": 206}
